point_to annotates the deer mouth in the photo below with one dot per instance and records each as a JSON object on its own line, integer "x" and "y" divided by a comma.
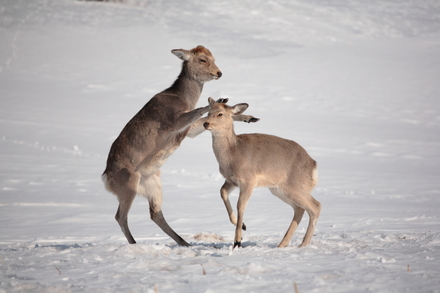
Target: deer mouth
{"x": 217, "y": 76}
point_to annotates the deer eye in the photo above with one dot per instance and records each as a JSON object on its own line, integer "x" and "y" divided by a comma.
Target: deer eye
{"x": 203, "y": 61}
{"x": 219, "y": 115}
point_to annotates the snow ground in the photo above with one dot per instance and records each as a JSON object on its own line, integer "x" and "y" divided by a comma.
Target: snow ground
{"x": 354, "y": 82}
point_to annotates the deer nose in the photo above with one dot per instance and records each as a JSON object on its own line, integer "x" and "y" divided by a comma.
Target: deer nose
{"x": 206, "y": 124}
{"x": 219, "y": 74}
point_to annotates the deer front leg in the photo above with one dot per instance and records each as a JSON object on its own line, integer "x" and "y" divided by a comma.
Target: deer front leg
{"x": 243, "y": 199}
{"x": 225, "y": 190}
{"x": 196, "y": 128}
{"x": 190, "y": 118}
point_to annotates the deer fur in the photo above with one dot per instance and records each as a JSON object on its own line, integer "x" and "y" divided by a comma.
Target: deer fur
{"x": 260, "y": 160}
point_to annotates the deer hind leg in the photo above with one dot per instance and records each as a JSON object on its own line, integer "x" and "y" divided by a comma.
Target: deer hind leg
{"x": 313, "y": 208}
{"x": 126, "y": 192}
{"x": 299, "y": 212}
{"x": 225, "y": 190}
{"x": 151, "y": 188}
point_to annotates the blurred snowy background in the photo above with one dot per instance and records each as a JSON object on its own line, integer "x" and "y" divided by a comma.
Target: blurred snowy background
{"x": 354, "y": 82}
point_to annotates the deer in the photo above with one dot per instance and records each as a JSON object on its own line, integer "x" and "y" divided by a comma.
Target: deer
{"x": 255, "y": 160}
{"x": 153, "y": 134}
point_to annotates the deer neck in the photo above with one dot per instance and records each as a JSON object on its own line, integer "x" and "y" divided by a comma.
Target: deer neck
{"x": 224, "y": 144}
{"x": 187, "y": 87}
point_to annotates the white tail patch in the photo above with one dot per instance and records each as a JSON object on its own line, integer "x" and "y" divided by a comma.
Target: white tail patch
{"x": 105, "y": 181}
{"x": 315, "y": 176}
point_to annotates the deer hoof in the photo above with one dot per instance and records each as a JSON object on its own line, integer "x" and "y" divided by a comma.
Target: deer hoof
{"x": 237, "y": 244}
{"x": 243, "y": 227}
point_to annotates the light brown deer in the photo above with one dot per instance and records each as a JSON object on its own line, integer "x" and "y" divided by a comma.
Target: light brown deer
{"x": 260, "y": 160}
{"x": 153, "y": 134}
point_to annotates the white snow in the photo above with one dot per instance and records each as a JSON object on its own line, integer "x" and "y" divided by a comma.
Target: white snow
{"x": 354, "y": 82}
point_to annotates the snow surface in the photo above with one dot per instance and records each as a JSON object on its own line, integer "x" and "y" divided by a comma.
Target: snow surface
{"x": 354, "y": 82}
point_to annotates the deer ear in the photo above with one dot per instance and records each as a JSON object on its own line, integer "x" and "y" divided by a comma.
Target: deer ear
{"x": 211, "y": 101}
{"x": 185, "y": 55}
{"x": 239, "y": 108}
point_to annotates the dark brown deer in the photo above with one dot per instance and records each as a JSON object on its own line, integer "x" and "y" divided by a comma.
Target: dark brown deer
{"x": 260, "y": 160}
{"x": 153, "y": 134}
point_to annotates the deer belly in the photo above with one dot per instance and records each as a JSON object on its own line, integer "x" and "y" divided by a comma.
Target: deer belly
{"x": 269, "y": 180}
{"x": 156, "y": 161}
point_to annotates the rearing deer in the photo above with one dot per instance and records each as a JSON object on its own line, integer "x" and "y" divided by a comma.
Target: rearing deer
{"x": 153, "y": 134}
{"x": 260, "y": 160}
